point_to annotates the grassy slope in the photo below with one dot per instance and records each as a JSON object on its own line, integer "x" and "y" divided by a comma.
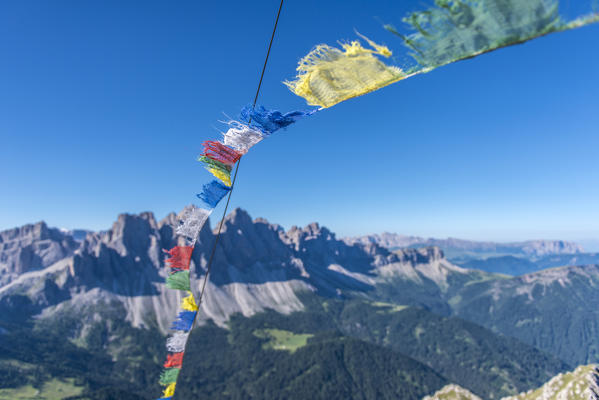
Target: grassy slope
{"x": 53, "y": 389}
{"x": 279, "y": 339}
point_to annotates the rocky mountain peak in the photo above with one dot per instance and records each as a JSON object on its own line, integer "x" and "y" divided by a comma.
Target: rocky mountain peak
{"x": 171, "y": 219}
{"x": 315, "y": 230}
{"x": 421, "y": 255}
{"x": 298, "y": 237}
{"x": 237, "y": 219}
{"x": 37, "y": 231}
{"x": 32, "y": 247}
{"x": 386, "y": 239}
{"x": 544, "y": 247}
{"x": 132, "y": 232}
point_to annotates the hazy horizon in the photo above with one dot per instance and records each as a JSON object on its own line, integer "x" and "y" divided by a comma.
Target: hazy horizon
{"x": 590, "y": 244}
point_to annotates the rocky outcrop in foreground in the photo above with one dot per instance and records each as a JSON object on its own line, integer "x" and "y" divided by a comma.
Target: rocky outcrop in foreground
{"x": 580, "y": 384}
{"x": 453, "y": 392}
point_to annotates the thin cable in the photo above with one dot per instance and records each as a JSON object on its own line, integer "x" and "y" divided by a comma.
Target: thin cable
{"x": 220, "y": 225}
{"x": 267, "y": 54}
{"x": 209, "y": 265}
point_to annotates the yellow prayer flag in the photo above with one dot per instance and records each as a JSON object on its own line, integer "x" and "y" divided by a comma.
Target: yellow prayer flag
{"x": 328, "y": 75}
{"x": 224, "y": 177}
{"x": 189, "y": 303}
{"x": 170, "y": 390}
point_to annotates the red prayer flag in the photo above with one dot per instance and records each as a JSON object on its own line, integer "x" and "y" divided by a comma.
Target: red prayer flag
{"x": 174, "y": 360}
{"x": 180, "y": 257}
{"x": 219, "y": 152}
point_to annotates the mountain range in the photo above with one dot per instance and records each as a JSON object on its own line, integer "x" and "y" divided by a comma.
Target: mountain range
{"x": 536, "y": 248}
{"x": 516, "y": 258}
{"x": 409, "y": 309}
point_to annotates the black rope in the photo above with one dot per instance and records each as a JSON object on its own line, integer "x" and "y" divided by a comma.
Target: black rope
{"x": 267, "y": 54}
{"x": 209, "y": 265}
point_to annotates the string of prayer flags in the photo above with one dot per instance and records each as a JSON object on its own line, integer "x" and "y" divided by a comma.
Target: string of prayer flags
{"x": 179, "y": 262}
{"x": 449, "y": 31}
{"x": 218, "y": 158}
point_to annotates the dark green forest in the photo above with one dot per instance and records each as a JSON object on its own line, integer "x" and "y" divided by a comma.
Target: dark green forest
{"x": 356, "y": 349}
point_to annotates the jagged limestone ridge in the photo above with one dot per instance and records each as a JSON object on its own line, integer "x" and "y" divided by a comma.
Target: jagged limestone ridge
{"x": 453, "y": 392}
{"x": 580, "y": 384}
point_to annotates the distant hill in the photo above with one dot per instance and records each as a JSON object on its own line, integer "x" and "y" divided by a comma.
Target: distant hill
{"x": 516, "y": 258}
{"x": 488, "y": 364}
{"x": 554, "y": 310}
{"x": 455, "y": 248}
{"x": 509, "y": 265}
{"x": 560, "y": 260}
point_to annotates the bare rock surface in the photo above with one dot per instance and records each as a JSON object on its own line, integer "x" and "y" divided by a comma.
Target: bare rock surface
{"x": 32, "y": 247}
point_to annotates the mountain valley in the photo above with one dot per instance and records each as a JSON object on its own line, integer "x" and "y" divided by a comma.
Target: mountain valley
{"x": 339, "y": 304}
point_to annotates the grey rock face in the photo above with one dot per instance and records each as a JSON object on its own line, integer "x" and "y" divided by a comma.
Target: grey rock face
{"x": 257, "y": 265}
{"x": 386, "y": 239}
{"x": 32, "y": 247}
{"x": 580, "y": 384}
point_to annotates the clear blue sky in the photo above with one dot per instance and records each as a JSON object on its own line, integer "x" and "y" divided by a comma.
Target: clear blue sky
{"x": 104, "y": 104}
